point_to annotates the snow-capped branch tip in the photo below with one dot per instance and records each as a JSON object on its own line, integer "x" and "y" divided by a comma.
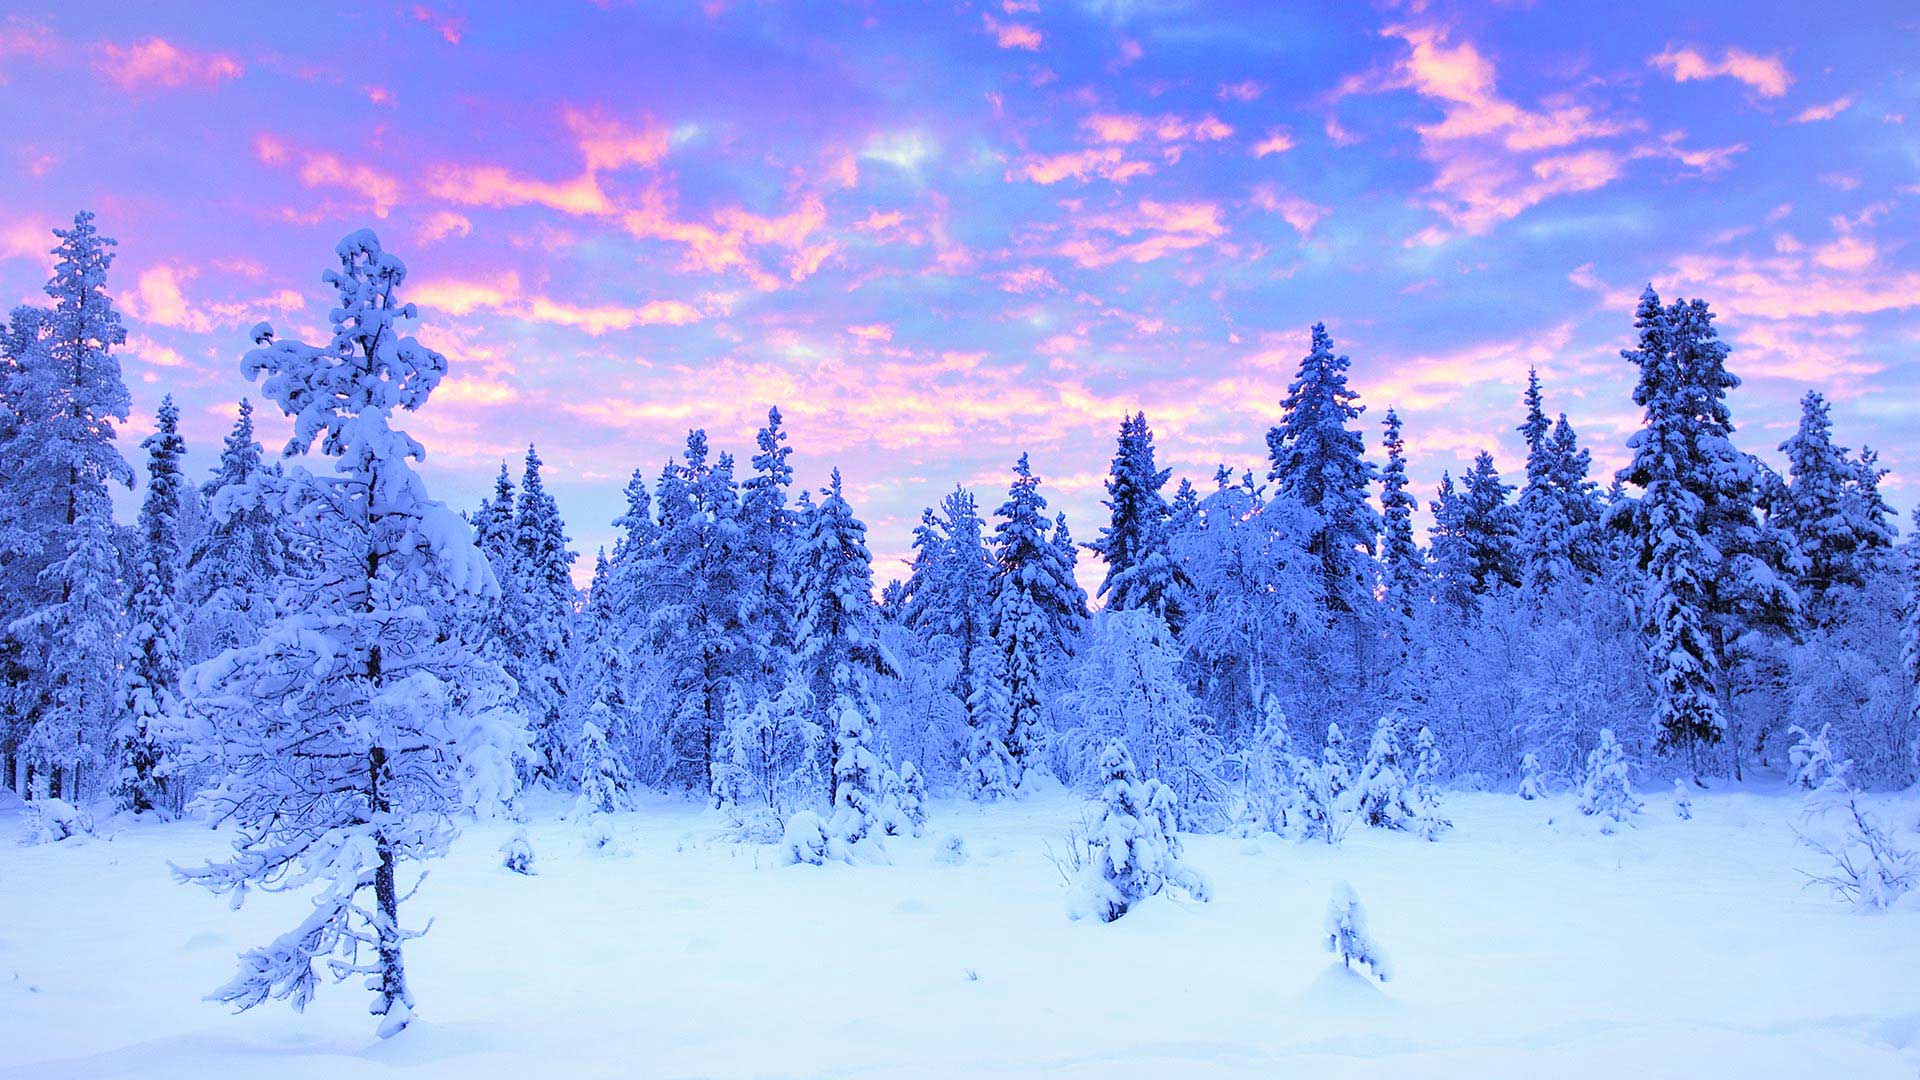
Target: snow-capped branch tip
{"x": 262, "y": 333}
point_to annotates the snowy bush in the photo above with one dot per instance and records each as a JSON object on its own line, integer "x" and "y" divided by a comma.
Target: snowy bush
{"x": 1132, "y": 851}
{"x": 1869, "y": 869}
{"x": 517, "y": 853}
{"x": 1348, "y": 936}
{"x": 1605, "y": 792}
{"x": 599, "y": 837}
{"x": 953, "y": 850}
{"x": 1533, "y": 780}
{"x": 50, "y": 821}
{"x": 1326, "y": 798}
{"x": 805, "y": 840}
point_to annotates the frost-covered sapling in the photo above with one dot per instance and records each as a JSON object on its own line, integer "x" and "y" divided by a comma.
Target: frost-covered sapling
{"x": 1869, "y": 868}
{"x": 1533, "y": 779}
{"x": 1605, "y": 792}
{"x": 953, "y": 850}
{"x": 1348, "y": 936}
{"x": 1269, "y": 790}
{"x": 517, "y": 853}
{"x": 346, "y": 741}
{"x": 1425, "y": 791}
{"x": 904, "y": 799}
{"x": 1383, "y": 799}
{"x": 1816, "y": 765}
{"x": 604, "y": 779}
{"x": 1132, "y": 850}
{"x": 1682, "y": 800}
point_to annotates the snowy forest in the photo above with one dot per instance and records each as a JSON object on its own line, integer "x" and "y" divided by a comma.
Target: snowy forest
{"x": 308, "y": 651}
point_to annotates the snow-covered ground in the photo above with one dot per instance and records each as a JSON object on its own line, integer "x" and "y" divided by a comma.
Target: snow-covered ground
{"x": 1522, "y": 946}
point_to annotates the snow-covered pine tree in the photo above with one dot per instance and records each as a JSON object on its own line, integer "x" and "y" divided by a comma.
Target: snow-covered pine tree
{"x": 1832, "y": 528}
{"x": 1544, "y": 533}
{"x": 1269, "y": 785}
{"x": 1348, "y": 936}
{"x": 150, "y": 673}
{"x": 1487, "y": 527}
{"x": 1381, "y": 788}
{"x": 1021, "y": 637}
{"x": 604, "y": 780}
{"x": 1321, "y": 464}
{"x": 1425, "y": 790}
{"x": 1533, "y": 779}
{"x": 767, "y": 527}
{"x": 1141, "y": 572}
{"x": 1451, "y": 576}
{"x": 949, "y": 606}
{"x": 230, "y": 583}
{"x": 343, "y": 752}
{"x": 63, "y": 570}
{"x": 543, "y": 567}
{"x": 1132, "y": 849}
{"x": 1714, "y": 570}
{"x": 1403, "y": 568}
{"x": 1606, "y": 791}
{"x": 1034, "y": 558}
{"x": 837, "y": 645}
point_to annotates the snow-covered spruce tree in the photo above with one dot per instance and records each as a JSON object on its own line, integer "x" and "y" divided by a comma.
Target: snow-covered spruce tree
{"x": 837, "y": 646}
{"x": 949, "y": 608}
{"x": 1327, "y": 796}
{"x": 1486, "y": 527}
{"x": 1682, "y": 800}
{"x": 1605, "y": 790}
{"x": 1133, "y": 851}
{"x": 1543, "y": 532}
{"x": 1403, "y": 567}
{"x": 344, "y": 752}
{"x": 859, "y": 798}
{"x": 1320, "y": 463}
{"x": 767, "y": 527}
{"x": 1533, "y": 779}
{"x": 543, "y": 617}
{"x": 1384, "y": 801}
{"x": 1714, "y": 571}
{"x": 1910, "y": 631}
{"x": 62, "y": 570}
{"x": 1269, "y": 787}
{"x": 1033, "y": 557}
{"x": 1021, "y": 638}
{"x": 903, "y": 800}
{"x": 229, "y": 585}
{"x": 1348, "y": 936}
{"x": 1129, "y": 686}
{"x": 151, "y": 671}
{"x": 1832, "y": 528}
{"x": 1424, "y": 793}
{"x": 1141, "y": 572}
{"x": 604, "y": 781}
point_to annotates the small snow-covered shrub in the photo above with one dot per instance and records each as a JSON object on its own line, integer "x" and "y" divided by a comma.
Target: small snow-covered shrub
{"x": 1814, "y": 761}
{"x": 1606, "y": 792}
{"x": 1869, "y": 869}
{"x": 50, "y": 821}
{"x": 953, "y": 850}
{"x": 1682, "y": 800}
{"x": 805, "y": 840}
{"x": 517, "y": 853}
{"x": 1132, "y": 850}
{"x": 599, "y": 837}
{"x": 1348, "y": 936}
{"x": 1533, "y": 779}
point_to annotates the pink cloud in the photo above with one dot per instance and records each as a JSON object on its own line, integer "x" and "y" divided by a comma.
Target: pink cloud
{"x": 1296, "y": 211}
{"x": 1246, "y": 90}
{"x": 607, "y": 143}
{"x": 1010, "y": 35}
{"x": 158, "y": 62}
{"x": 876, "y": 332}
{"x": 1102, "y": 162}
{"x": 441, "y": 224}
{"x": 1814, "y": 113}
{"x": 1767, "y": 75}
{"x": 503, "y": 295}
{"x": 1150, "y": 231}
{"x": 449, "y": 26}
{"x": 1278, "y": 141}
{"x": 320, "y": 169}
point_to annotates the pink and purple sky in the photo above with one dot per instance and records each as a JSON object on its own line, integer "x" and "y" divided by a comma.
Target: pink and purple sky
{"x": 939, "y": 234}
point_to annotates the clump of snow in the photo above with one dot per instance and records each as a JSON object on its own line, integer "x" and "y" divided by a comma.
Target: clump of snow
{"x": 1682, "y": 800}
{"x": 805, "y": 840}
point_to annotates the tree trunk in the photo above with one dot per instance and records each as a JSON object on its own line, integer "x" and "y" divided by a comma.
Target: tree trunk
{"x": 392, "y": 999}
